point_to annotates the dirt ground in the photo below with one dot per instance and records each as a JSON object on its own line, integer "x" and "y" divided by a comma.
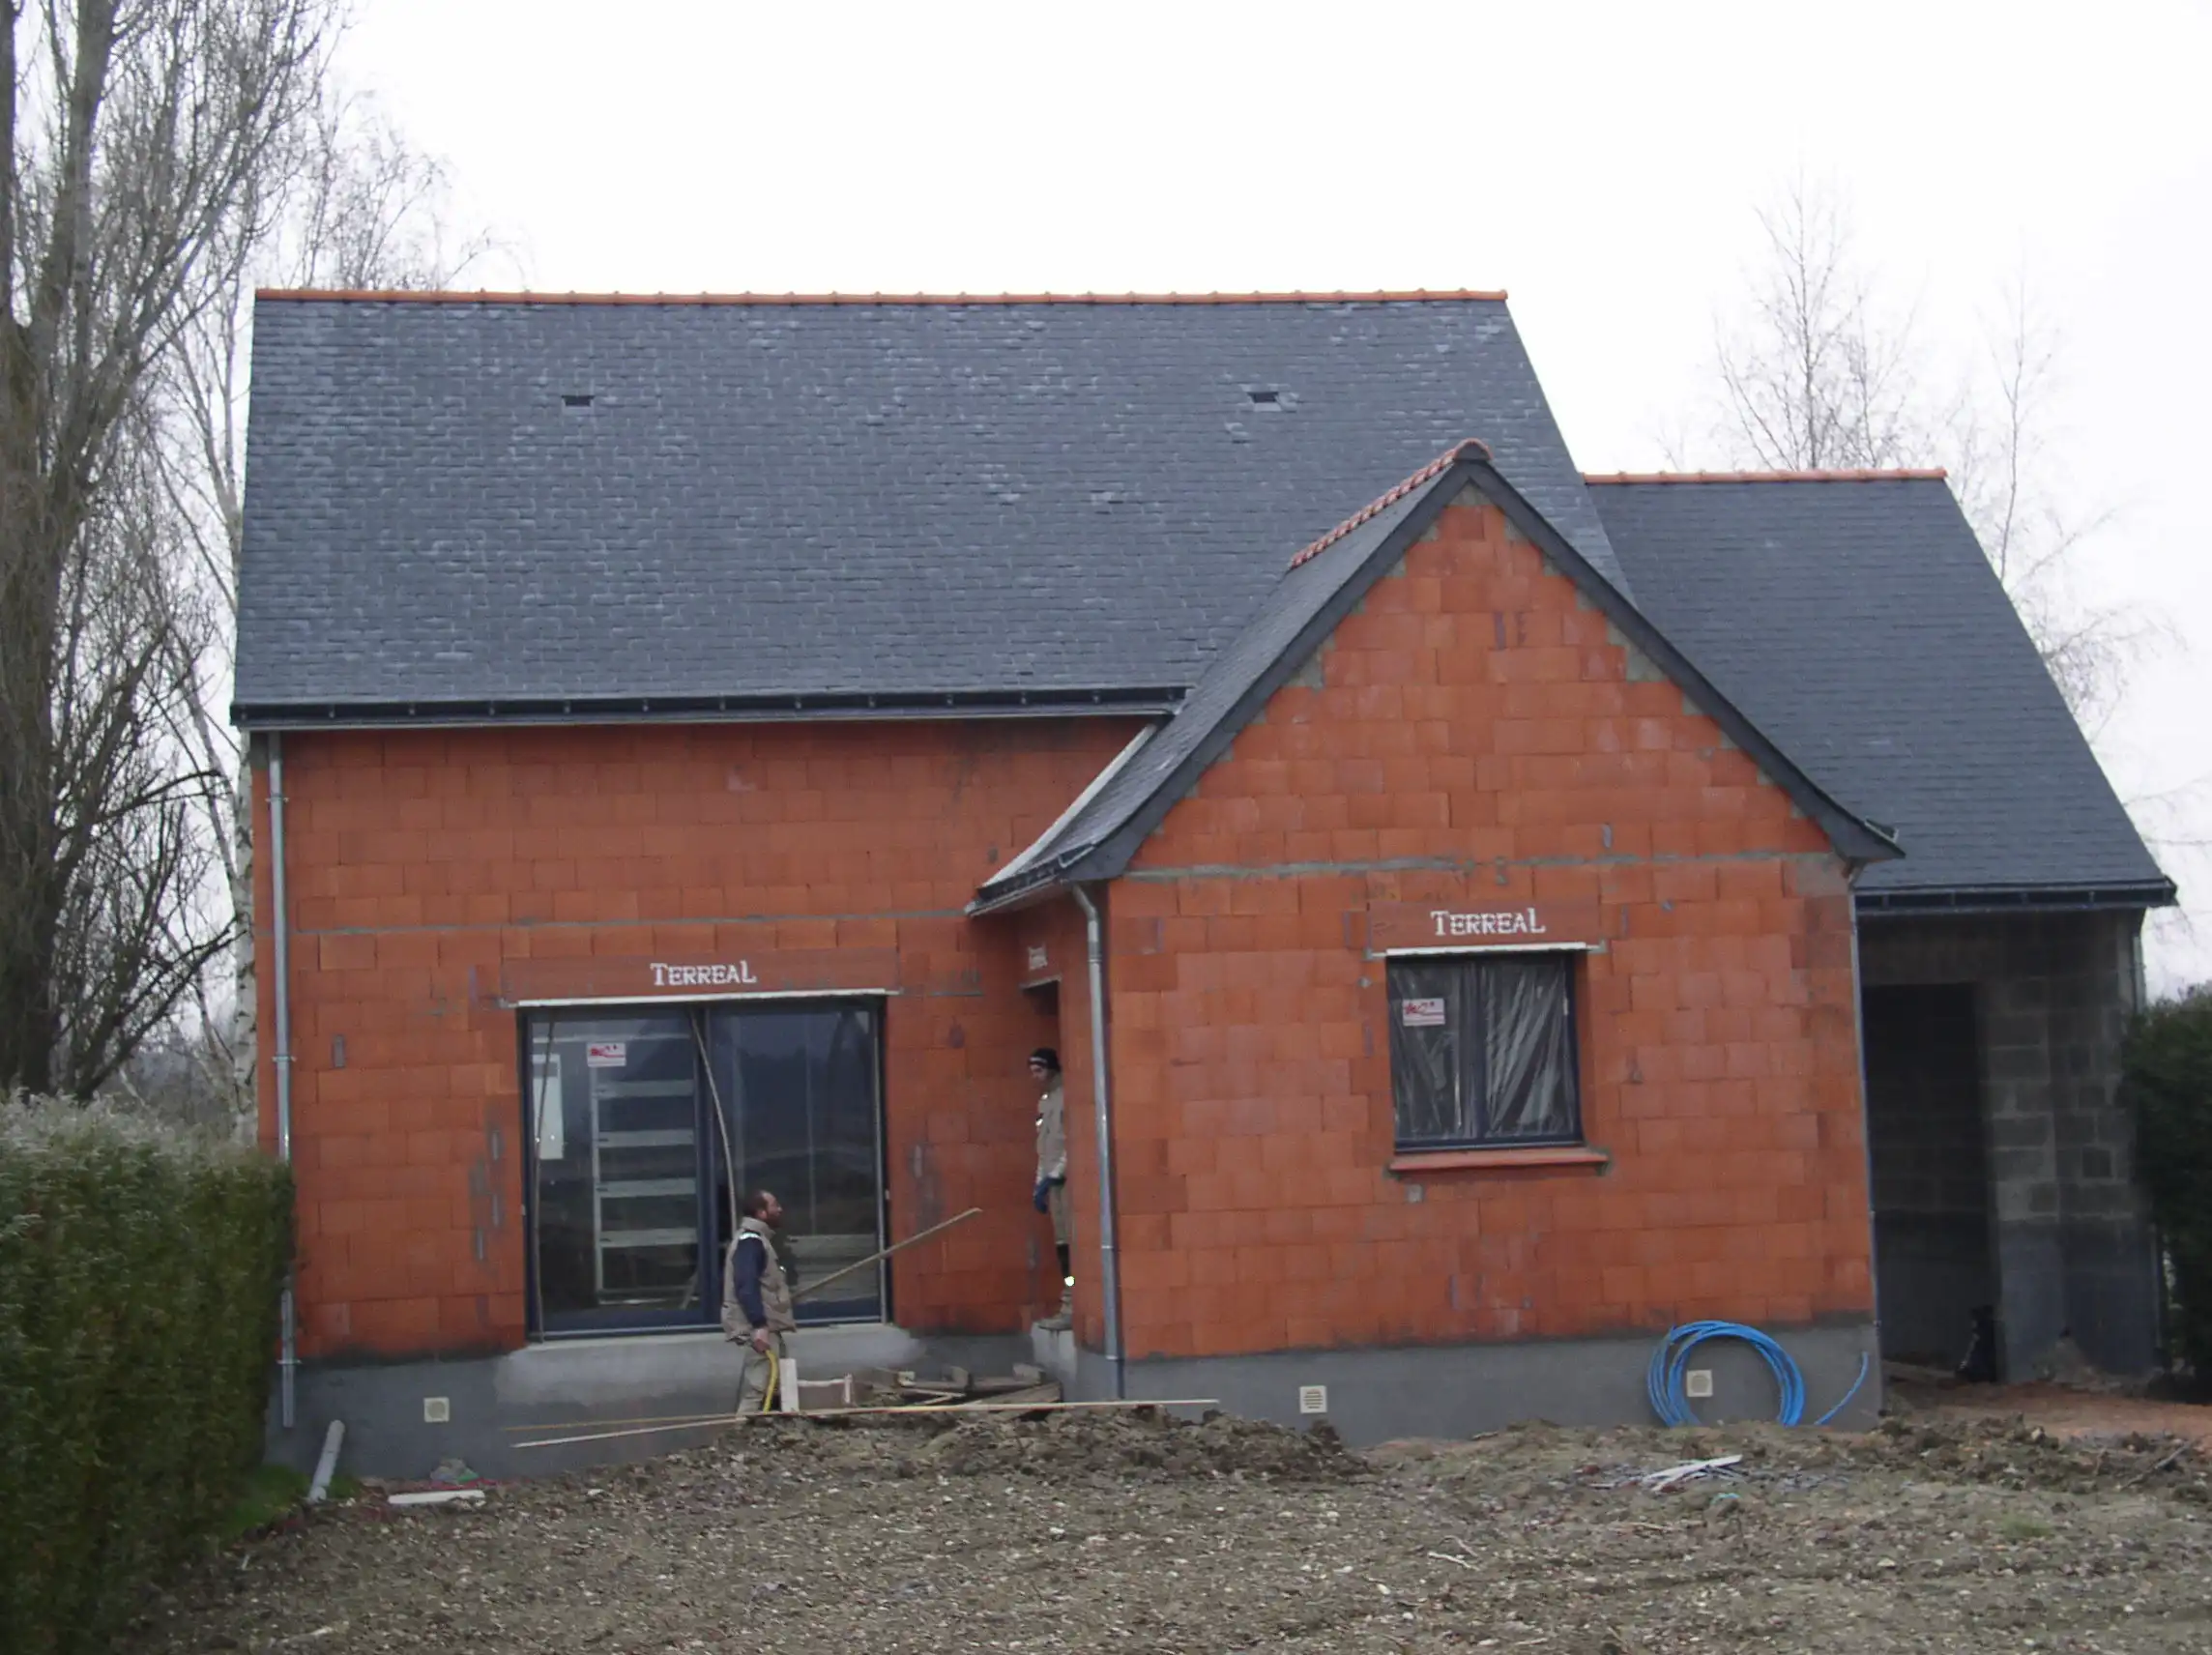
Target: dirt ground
{"x": 1938, "y": 1532}
{"x": 2066, "y": 1410}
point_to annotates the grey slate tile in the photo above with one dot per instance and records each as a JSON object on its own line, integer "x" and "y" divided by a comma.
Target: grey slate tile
{"x": 787, "y": 498}
{"x": 1858, "y": 624}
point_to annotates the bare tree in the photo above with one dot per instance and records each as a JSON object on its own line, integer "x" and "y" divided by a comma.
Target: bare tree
{"x": 1818, "y": 370}
{"x": 2008, "y": 477}
{"x": 1821, "y": 376}
{"x": 354, "y": 207}
{"x": 135, "y": 129}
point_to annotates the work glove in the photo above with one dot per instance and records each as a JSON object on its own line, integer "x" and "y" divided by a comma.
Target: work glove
{"x": 1042, "y": 1197}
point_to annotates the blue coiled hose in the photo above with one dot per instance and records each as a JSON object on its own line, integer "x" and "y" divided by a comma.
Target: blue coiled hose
{"x": 1668, "y": 1364}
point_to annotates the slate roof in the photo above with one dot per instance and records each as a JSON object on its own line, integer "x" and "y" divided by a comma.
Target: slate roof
{"x": 1320, "y": 586}
{"x": 786, "y": 504}
{"x": 481, "y": 506}
{"x": 1857, "y": 623}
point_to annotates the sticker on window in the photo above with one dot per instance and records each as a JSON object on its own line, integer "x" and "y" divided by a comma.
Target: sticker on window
{"x": 1421, "y": 1013}
{"x": 546, "y": 1099}
{"x": 613, "y": 1054}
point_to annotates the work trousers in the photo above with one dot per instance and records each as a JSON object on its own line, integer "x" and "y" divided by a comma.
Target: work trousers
{"x": 752, "y": 1385}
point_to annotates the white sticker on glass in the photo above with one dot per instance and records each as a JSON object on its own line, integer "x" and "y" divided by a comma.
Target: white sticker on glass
{"x": 606, "y": 1054}
{"x": 545, "y": 1102}
{"x": 1421, "y": 1013}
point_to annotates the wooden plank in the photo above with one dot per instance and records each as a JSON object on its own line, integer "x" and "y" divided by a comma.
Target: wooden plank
{"x": 704, "y": 1422}
{"x": 1021, "y": 1406}
{"x": 1046, "y": 1392}
{"x": 817, "y": 1394}
{"x": 1004, "y": 1384}
{"x": 718, "y": 1420}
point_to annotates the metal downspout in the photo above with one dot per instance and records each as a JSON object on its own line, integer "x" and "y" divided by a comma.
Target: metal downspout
{"x": 1109, "y": 1264}
{"x": 281, "y": 1055}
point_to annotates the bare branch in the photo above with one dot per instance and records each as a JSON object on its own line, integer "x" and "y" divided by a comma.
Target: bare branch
{"x": 1814, "y": 372}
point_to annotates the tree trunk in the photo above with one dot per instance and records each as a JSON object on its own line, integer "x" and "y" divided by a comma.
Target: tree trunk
{"x": 246, "y": 985}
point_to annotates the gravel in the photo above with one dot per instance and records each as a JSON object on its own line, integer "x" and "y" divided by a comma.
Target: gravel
{"x": 1136, "y": 1534}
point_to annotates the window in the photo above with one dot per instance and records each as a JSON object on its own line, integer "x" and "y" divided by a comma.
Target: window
{"x": 1483, "y": 1051}
{"x": 645, "y": 1122}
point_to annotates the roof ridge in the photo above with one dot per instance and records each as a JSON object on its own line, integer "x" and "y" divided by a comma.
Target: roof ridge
{"x": 1858, "y": 473}
{"x": 1255, "y": 663}
{"x": 434, "y": 296}
{"x": 1383, "y": 501}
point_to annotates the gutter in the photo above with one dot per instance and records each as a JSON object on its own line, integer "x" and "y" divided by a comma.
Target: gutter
{"x": 288, "y": 1361}
{"x": 1109, "y": 1261}
{"x": 1030, "y": 884}
{"x": 2017, "y": 899}
{"x": 833, "y": 705}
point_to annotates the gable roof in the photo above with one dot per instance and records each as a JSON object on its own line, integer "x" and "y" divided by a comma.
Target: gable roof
{"x": 1320, "y": 586}
{"x": 517, "y": 505}
{"x": 1856, "y": 620}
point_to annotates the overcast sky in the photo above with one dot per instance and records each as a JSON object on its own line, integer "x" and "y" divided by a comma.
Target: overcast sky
{"x": 1601, "y": 163}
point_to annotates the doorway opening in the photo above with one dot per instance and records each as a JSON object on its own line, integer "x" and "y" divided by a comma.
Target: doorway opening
{"x": 1927, "y": 1145}
{"x": 1050, "y": 1258}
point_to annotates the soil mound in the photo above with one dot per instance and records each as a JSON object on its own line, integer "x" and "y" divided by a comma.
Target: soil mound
{"x": 1145, "y": 1445}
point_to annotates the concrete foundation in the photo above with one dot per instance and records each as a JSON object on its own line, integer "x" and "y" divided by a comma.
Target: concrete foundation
{"x": 585, "y": 1387}
{"x": 1456, "y": 1390}
{"x": 569, "y": 1388}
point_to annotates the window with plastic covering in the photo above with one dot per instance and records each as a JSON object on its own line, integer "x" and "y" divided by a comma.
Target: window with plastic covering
{"x": 1483, "y": 1051}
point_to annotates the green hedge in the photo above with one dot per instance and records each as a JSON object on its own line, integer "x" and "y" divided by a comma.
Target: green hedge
{"x": 2168, "y": 1082}
{"x": 141, "y": 1269}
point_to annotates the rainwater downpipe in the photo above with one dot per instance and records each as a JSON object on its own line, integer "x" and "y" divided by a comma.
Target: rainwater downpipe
{"x": 280, "y": 1053}
{"x": 1866, "y": 1127}
{"x": 1109, "y": 1265}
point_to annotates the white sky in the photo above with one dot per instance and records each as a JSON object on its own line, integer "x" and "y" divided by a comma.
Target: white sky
{"x": 1601, "y": 162}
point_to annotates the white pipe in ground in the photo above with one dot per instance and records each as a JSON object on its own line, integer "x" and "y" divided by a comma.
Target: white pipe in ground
{"x": 327, "y": 1466}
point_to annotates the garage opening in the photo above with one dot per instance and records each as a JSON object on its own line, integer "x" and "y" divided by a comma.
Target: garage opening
{"x": 1927, "y": 1144}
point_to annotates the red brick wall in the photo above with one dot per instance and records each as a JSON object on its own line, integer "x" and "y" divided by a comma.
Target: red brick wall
{"x": 1479, "y": 739}
{"x": 421, "y": 864}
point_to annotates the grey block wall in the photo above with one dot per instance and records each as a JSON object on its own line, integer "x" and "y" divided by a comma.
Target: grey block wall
{"x": 2070, "y": 1233}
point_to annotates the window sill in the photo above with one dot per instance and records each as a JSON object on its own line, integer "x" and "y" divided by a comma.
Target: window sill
{"x": 1498, "y": 1160}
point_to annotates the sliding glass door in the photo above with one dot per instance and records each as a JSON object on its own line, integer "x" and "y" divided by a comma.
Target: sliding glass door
{"x": 647, "y": 1125}
{"x": 616, "y": 1140}
{"x": 799, "y": 1088}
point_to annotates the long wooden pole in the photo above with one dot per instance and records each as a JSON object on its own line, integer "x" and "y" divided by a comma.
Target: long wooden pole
{"x": 715, "y": 1421}
{"x": 681, "y": 1421}
{"x": 878, "y": 1257}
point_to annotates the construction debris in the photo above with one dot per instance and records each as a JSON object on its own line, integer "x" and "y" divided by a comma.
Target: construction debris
{"x": 940, "y": 1535}
{"x": 866, "y": 1391}
{"x": 1674, "y": 1476}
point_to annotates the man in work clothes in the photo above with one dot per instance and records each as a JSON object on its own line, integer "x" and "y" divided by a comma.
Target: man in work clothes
{"x": 756, "y": 1298}
{"x": 1051, "y": 1194}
